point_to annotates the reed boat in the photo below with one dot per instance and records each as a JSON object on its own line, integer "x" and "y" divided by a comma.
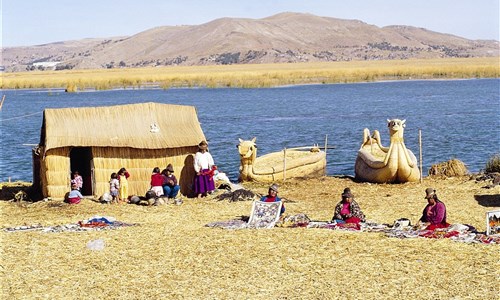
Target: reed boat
{"x": 281, "y": 165}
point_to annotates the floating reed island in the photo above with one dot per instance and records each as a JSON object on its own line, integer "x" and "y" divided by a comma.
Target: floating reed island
{"x": 171, "y": 254}
{"x": 254, "y": 75}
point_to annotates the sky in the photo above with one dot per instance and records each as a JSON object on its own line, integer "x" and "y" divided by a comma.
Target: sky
{"x": 35, "y": 22}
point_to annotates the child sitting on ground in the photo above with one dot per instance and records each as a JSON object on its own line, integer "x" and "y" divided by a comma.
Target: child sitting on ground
{"x": 74, "y": 197}
{"x": 157, "y": 182}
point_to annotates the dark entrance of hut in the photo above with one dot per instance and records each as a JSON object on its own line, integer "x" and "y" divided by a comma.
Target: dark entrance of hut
{"x": 81, "y": 161}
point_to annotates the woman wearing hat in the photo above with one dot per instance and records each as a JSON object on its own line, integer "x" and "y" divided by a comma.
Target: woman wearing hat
{"x": 272, "y": 196}
{"x": 434, "y": 214}
{"x": 348, "y": 210}
{"x": 203, "y": 166}
{"x": 170, "y": 186}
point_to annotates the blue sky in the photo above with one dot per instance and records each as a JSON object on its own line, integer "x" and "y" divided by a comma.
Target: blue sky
{"x": 33, "y": 22}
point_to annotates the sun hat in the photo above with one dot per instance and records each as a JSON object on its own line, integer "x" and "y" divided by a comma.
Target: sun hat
{"x": 203, "y": 145}
{"x": 347, "y": 193}
{"x": 429, "y": 193}
{"x": 274, "y": 187}
{"x": 170, "y": 168}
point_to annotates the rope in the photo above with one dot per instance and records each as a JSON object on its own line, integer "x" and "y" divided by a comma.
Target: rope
{"x": 13, "y": 118}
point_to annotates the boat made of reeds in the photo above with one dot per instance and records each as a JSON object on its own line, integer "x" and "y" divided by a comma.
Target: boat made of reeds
{"x": 288, "y": 163}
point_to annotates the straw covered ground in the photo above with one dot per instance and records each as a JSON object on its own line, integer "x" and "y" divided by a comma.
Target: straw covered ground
{"x": 172, "y": 255}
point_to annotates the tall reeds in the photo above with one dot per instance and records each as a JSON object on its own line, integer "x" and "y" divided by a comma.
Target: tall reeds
{"x": 255, "y": 75}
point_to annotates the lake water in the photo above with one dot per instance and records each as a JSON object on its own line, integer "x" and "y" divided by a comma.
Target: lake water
{"x": 458, "y": 118}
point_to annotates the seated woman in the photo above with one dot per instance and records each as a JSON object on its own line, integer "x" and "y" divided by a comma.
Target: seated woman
{"x": 170, "y": 186}
{"x": 347, "y": 210}
{"x": 272, "y": 196}
{"x": 434, "y": 214}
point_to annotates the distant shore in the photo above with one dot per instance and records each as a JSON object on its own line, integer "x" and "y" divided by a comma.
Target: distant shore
{"x": 255, "y": 75}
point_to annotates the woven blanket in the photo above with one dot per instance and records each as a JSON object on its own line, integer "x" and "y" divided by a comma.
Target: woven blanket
{"x": 94, "y": 223}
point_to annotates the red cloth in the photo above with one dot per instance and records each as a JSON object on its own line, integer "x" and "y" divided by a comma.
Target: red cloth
{"x": 270, "y": 199}
{"x": 210, "y": 173}
{"x": 74, "y": 200}
{"x": 354, "y": 220}
{"x": 156, "y": 179}
{"x": 434, "y": 226}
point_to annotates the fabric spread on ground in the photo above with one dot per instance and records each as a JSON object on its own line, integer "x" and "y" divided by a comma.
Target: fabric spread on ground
{"x": 93, "y": 223}
{"x": 456, "y": 232}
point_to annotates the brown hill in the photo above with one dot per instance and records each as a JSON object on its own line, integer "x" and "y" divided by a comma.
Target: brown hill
{"x": 285, "y": 37}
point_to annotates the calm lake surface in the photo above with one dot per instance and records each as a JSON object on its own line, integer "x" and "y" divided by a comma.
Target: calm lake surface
{"x": 458, "y": 118}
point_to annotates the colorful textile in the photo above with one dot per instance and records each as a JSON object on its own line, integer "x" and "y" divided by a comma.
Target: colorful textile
{"x": 274, "y": 199}
{"x": 94, "y": 223}
{"x": 264, "y": 214}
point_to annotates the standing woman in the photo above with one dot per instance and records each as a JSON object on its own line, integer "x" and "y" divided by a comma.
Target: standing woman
{"x": 203, "y": 166}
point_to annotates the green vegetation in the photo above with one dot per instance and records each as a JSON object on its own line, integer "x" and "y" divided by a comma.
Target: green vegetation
{"x": 493, "y": 164}
{"x": 255, "y": 75}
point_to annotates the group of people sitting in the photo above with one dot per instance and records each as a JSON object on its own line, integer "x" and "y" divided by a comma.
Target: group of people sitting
{"x": 164, "y": 183}
{"x": 348, "y": 211}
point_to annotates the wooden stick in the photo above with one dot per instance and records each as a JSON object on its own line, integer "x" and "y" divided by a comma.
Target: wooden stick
{"x": 284, "y": 164}
{"x": 1, "y": 103}
{"x": 326, "y": 147}
{"x": 420, "y": 144}
{"x": 309, "y": 147}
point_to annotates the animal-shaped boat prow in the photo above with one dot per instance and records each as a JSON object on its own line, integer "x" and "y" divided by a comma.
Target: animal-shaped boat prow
{"x": 378, "y": 164}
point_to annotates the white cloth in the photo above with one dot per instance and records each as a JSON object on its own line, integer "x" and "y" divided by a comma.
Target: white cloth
{"x": 203, "y": 161}
{"x": 158, "y": 190}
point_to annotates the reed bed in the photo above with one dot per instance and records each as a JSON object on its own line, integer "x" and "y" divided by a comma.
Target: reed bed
{"x": 254, "y": 75}
{"x": 172, "y": 255}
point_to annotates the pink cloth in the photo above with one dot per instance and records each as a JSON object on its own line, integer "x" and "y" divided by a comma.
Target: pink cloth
{"x": 345, "y": 208}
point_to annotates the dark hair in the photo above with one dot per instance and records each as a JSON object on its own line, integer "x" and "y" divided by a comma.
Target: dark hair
{"x": 122, "y": 170}
{"x": 156, "y": 170}
{"x": 114, "y": 176}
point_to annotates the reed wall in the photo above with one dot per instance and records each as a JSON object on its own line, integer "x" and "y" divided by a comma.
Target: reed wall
{"x": 55, "y": 169}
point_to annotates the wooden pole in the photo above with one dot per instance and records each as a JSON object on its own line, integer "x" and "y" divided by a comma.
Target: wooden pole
{"x": 1, "y": 102}
{"x": 420, "y": 146}
{"x": 326, "y": 147}
{"x": 284, "y": 164}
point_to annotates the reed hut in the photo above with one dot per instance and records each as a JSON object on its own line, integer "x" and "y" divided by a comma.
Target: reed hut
{"x": 98, "y": 141}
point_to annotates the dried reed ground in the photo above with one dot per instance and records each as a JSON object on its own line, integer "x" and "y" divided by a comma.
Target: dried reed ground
{"x": 171, "y": 255}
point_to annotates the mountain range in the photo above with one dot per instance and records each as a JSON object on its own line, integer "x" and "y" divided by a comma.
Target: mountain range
{"x": 281, "y": 38}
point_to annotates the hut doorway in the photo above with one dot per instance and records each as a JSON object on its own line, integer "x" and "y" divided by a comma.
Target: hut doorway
{"x": 81, "y": 160}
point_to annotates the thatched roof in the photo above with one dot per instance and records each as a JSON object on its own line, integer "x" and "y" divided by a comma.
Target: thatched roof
{"x": 132, "y": 125}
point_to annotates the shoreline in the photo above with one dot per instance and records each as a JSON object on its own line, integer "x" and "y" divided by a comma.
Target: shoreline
{"x": 157, "y": 86}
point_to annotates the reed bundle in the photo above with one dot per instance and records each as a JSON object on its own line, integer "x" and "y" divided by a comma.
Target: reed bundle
{"x": 451, "y": 168}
